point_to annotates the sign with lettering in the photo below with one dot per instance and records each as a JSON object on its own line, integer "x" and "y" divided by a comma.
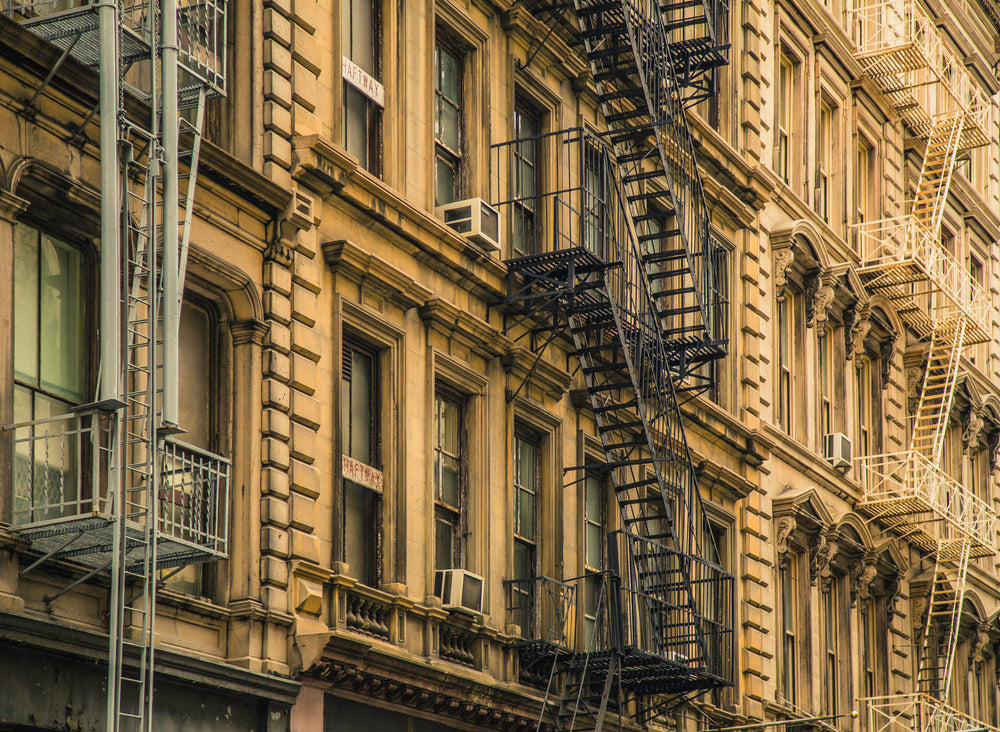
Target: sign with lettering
{"x": 363, "y": 82}
{"x": 357, "y": 472}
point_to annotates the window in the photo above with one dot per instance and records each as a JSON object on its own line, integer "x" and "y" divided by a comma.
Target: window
{"x": 788, "y": 581}
{"x": 449, "y": 478}
{"x": 874, "y": 651}
{"x": 594, "y": 531}
{"x": 363, "y": 93}
{"x": 785, "y": 340}
{"x": 864, "y": 375}
{"x": 825, "y": 353}
{"x": 448, "y": 123}
{"x": 824, "y": 158}
{"x": 50, "y": 360}
{"x": 594, "y": 206}
{"x": 524, "y": 228}
{"x": 197, "y": 397}
{"x": 831, "y": 639}
{"x": 362, "y": 498}
{"x": 863, "y": 188}
{"x": 783, "y": 121}
{"x": 526, "y": 485}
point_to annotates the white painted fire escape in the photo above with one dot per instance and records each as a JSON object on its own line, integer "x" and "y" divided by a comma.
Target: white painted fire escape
{"x": 904, "y": 54}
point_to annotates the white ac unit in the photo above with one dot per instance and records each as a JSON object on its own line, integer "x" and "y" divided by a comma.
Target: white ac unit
{"x": 474, "y": 219}
{"x": 837, "y": 450}
{"x": 459, "y": 590}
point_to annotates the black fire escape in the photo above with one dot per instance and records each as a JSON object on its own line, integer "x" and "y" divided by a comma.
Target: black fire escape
{"x": 634, "y": 277}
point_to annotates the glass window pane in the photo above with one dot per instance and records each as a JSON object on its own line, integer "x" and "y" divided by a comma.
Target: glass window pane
{"x": 61, "y": 319}
{"x": 593, "y": 503}
{"x": 193, "y": 373}
{"x": 356, "y": 527}
{"x": 443, "y": 536}
{"x": 449, "y": 481}
{"x": 448, "y": 125}
{"x": 445, "y": 180}
{"x": 593, "y": 540}
{"x": 448, "y": 73}
{"x": 356, "y": 108}
{"x": 23, "y": 467}
{"x": 526, "y": 515}
{"x": 361, "y": 416}
{"x": 25, "y": 304}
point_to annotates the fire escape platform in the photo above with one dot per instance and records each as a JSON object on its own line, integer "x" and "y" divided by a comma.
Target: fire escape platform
{"x": 918, "y": 713}
{"x": 645, "y": 673}
{"x": 911, "y": 495}
{"x": 907, "y": 265}
{"x": 77, "y": 31}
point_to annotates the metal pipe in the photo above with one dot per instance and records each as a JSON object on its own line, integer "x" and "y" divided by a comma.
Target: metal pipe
{"x": 107, "y": 12}
{"x": 171, "y": 298}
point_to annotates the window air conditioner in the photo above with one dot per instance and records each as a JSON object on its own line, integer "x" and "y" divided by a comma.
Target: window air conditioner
{"x": 459, "y": 590}
{"x": 837, "y": 450}
{"x": 474, "y": 219}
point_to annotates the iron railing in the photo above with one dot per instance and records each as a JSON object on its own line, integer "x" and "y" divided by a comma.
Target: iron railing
{"x": 193, "y": 495}
{"x": 543, "y": 608}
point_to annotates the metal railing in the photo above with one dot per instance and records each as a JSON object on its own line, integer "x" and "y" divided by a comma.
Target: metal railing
{"x": 134, "y": 15}
{"x": 918, "y": 713}
{"x": 201, "y": 33}
{"x": 60, "y": 467}
{"x": 908, "y": 484}
{"x": 544, "y": 609}
{"x": 891, "y": 243}
{"x": 193, "y": 495}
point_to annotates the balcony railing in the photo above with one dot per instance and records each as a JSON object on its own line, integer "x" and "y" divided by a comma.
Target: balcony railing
{"x": 63, "y": 505}
{"x": 893, "y": 248}
{"x": 909, "y": 491}
{"x": 543, "y": 608}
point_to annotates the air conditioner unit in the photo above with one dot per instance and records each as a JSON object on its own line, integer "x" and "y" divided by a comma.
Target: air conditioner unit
{"x": 474, "y": 219}
{"x": 837, "y": 450}
{"x": 459, "y": 590}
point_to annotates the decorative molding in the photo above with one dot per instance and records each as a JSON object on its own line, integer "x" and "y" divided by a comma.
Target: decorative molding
{"x": 858, "y": 332}
{"x": 822, "y": 305}
{"x": 974, "y": 429}
{"x": 826, "y": 549}
{"x": 783, "y": 259}
{"x": 885, "y": 351}
{"x": 249, "y": 331}
{"x": 11, "y": 206}
{"x": 346, "y": 258}
{"x": 540, "y": 373}
{"x": 785, "y": 528}
{"x": 811, "y": 287}
{"x": 865, "y": 571}
{"x": 452, "y": 322}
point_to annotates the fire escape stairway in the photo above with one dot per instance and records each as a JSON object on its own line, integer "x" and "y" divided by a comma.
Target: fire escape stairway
{"x": 630, "y": 55}
{"x": 944, "y": 612}
{"x": 698, "y": 33}
{"x": 938, "y": 393}
{"x": 935, "y": 173}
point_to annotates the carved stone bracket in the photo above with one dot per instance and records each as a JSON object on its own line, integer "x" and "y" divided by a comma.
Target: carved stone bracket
{"x": 885, "y": 351}
{"x": 822, "y": 557}
{"x": 822, "y": 301}
{"x": 786, "y": 527}
{"x": 993, "y": 445}
{"x": 811, "y": 289}
{"x": 859, "y": 330}
{"x": 979, "y": 644}
{"x": 783, "y": 259}
{"x": 862, "y": 576}
{"x": 973, "y": 430}
{"x": 915, "y": 383}
{"x": 891, "y": 599}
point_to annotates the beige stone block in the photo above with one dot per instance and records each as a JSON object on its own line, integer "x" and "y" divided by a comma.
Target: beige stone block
{"x": 274, "y": 452}
{"x": 303, "y": 513}
{"x": 304, "y": 372}
{"x": 278, "y": 307}
{"x": 304, "y": 305}
{"x": 278, "y": 119}
{"x": 306, "y": 410}
{"x": 306, "y": 341}
{"x": 278, "y": 149}
{"x": 274, "y": 541}
{"x": 277, "y": 27}
{"x": 308, "y": 596}
{"x": 275, "y": 424}
{"x": 755, "y": 664}
{"x": 274, "y": 511}
{"x": 277, "y": 365}
{"x": 304, "y": 479}
{"x": 277, "y": 58}
{"x": 753, "y": 547}
{"x": 282, "y": 6}
{"x": 752, "y": 522}
{"x": 279, "y": 337}
{"x": 277, "y": 277}
{"x": 306, "y": 239}
{"x": 275, "y": 394}
{"x": 304, "y": 14}
{"x": 278, "y": 89}
{"x": 754, "y": 639}
{"x": 303, "y": 443}
{"x": 308, "y": 272}
{"x": 306, "y": 48}
{"x": 277, "y": 174}
{"x": 274, "y": 571}
{"x": 753, "y": 687}
{"x": 304, "y": 546}
{"x": 306, "y": 122}
{"x": 274, "y": 599}
{"x": 274, "y": 481}
{"x": 303, "y": 86}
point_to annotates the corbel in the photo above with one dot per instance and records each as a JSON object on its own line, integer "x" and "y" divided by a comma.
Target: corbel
{"x": 973, "y": 430}
{"x": 865, "y": 571}
{"x": 786, "y": 527}
{"x": 858, "y": 332}
{"x": 783, "y": 259}
{"x": 822, "y": 557}
{"x": 825, "y": 296}
{"x": 885, "y": 351}
{"x": 982, "y": 639}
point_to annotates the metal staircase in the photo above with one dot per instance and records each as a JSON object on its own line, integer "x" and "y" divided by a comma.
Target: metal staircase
{"x": 131, "y": 499}
{"x": 904, "y": 54}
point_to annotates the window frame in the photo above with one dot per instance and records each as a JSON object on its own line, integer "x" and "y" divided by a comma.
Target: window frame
{"x": 455, "y": 159}
{"x": 373, "y": 108}
{"x": 442, "y": 510}
{"x": 524, "y": 110}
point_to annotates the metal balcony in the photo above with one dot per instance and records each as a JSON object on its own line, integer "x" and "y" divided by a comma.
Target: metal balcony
{"x": 918, "y": 713}
{"x": 61, "y": 470}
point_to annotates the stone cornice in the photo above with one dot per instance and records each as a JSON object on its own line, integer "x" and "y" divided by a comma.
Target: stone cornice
{"x": 219, "y": 166}
{"x": 249, "y": 331}
{"x": 346, "y": 258}
{"x": 11, "y": 206}
{"x": 521, "y": 364}
{"x": 553, "y": 51}
{"x": 475, "y": 333}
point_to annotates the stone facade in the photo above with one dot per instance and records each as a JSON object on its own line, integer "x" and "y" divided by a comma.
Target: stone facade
{"x": 303, "y": 256}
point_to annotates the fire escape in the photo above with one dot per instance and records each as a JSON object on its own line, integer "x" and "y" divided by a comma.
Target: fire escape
{"x": 904, "y": 54}
{"x": 621, "y": 264}
{"x": 109, "y": 489}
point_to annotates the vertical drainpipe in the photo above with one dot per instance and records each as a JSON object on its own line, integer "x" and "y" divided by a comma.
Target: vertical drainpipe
{"x": 171, "y": 301}
{"x": 110, "y": 213}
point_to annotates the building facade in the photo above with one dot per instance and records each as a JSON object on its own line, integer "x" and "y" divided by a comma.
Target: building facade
{"x": 389, "y": 409}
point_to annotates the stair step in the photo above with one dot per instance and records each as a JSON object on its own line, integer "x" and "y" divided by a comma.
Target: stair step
{"x": 604, "y": 409}
{"x": 620, "y": 426}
